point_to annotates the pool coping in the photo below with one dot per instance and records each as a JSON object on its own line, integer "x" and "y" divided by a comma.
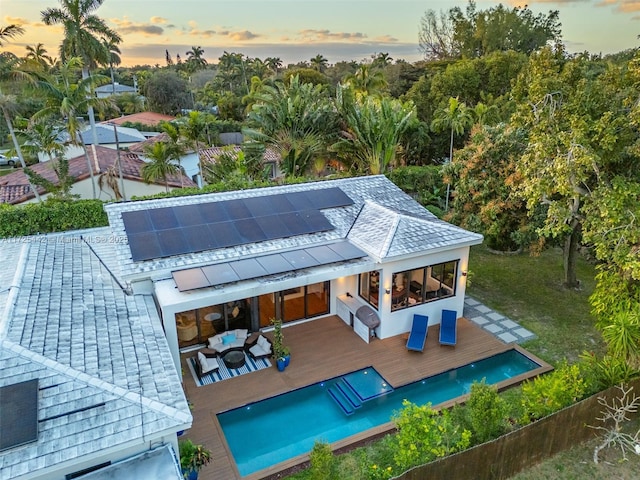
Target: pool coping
{"x": 372, "y": 434}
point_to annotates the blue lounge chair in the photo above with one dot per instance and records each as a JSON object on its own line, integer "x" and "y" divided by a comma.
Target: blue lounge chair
{"x": 418, "y": 334}
{"x": 448, "y": 327}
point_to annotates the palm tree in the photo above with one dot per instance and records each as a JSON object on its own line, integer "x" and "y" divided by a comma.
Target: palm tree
{"x": 193, "y": 130}
{"x": 160, "y": 167}
{"x": 274, "y": 64}
{"x": 68, "y": 100}
{"x": 366, "y": 80}
{"x": 8, "y": 103}
{"x": 319, "y": 63}
{"x": 38, "y": 55}
{"x": 195, "y": 61}
{"x": 43, "y": 135}
{"x": 485, "y": 115}
{"x": 456, "y": 117}
{"x": 114, "y": 58}
{"x": 381, "y": 60}
{"x": 83, "y": 37}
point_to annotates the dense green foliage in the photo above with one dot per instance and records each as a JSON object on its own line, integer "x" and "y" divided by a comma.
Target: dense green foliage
{"x": 50, "y": 216}
{"x": 487, "y": 412}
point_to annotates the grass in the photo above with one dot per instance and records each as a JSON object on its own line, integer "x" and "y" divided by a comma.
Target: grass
{"x": 6, "y": 170}
{"x": 529, "y": 290}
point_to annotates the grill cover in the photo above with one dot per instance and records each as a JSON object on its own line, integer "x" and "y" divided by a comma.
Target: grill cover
{"x": 368, "y": 316}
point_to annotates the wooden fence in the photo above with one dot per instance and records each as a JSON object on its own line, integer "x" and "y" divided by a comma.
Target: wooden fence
{"x": 506, "y": 456}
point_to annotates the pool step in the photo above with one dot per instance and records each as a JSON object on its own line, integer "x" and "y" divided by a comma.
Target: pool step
{"x": 349, "y": 392}
{"x": 343, "y": 402}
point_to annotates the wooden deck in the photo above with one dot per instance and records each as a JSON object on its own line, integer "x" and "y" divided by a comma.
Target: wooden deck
{"x": 322, "y": 349}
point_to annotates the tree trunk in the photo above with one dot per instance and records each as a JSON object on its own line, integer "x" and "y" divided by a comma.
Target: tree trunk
{"x": 94, "y": 133}
{"x": 570, "y": 254}
{"x": 19, "y": 152}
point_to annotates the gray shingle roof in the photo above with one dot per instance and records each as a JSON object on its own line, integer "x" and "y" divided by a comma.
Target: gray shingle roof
{"x": 105, "y": 371}
{"x": 378, "y": 206}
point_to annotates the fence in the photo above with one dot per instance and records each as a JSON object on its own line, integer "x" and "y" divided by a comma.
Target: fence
{"x": 506, "y": 456}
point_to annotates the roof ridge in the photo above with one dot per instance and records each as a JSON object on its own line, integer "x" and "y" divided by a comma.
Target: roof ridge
{"x": 107, "y": 387}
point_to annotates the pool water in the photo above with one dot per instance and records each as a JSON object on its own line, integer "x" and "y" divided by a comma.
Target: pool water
{"x": 277, "y": 429}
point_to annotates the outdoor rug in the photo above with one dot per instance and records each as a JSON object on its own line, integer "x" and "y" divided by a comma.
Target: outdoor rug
{"x": 223, "y": 372}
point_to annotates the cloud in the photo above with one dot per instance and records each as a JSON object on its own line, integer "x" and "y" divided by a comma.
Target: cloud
{"x": 16, "y": 21}
{"x": 158, "y": 20}
{"x": 243, "y": 36}
{"x": 386, "y": 39}
{"x": 126, "y": 26}
{"x": 312, "y": 36}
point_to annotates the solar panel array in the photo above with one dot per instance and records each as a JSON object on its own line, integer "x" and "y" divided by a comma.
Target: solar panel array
{"x": 18, "y": 414}
{"x": 163, "y": 232}
{"x": 272, "y": 264}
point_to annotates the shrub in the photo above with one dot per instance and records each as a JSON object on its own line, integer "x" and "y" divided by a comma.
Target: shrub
{"x": 486, "y": 411}
{"x": 552, "y": 392}
{"x": 323, "y": 463}
{"x": 605, "y": 372}
{"x": 50, "y": 216}
{"x": 424, "y": 435}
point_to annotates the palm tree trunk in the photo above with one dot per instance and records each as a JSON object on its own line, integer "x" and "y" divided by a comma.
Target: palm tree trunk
{"x": 94, "y": 133}
{"x": 19, "y": 152}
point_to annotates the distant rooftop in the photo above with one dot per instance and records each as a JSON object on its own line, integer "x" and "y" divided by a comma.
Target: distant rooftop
{"x": 146, "y": 118}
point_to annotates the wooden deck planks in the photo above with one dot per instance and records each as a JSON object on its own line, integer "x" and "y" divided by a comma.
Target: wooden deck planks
{"x": 322, "y": 349}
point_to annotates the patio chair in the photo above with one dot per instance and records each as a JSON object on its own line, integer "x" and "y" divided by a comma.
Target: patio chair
{"x": 205, "y": 364}
{"x": 261, "y": 347}
{"x": 418, "y": 334}
{"x": 449, "y": 327}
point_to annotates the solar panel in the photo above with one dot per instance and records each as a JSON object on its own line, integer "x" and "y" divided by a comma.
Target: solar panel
{"x": 328, "y": 198}
{"x": 144, "y": 246}
{"x": 225, "y": 234}
{"x": 347, "y": 250}
{"x": 281, "y": 204}
{"x": 237, "y": 209}
{"x": 299, "y": 200}
{"x": 163, "y": 218}
{"x": 172, "y": 242}
{"x": 294, "y": 222}
{"x": 199, "y": 238}
{"x": 136, "y": 221}
{"x": 189, "y": 215}
{"x": 260, "y": 206}
{"x": 190, "y": 279}
{"x": 299, "y": 259}
{"x": 249, "y": 230}
{"x": 220, "y": 273}
{"x": 18, "y": 414}
{"x": 275, "y": 263}
{"x": 323, "y": 255}
{"x": 273, "y": 227}
{"x": 214, "y": 212}
{"x": 248, "y": 268}
{"x": 316, "y": 221}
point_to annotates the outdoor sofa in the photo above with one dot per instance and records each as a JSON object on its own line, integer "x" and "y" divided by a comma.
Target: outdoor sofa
{"x": 229, "y": 339}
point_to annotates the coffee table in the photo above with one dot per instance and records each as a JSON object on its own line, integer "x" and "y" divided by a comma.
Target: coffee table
{"x": 234, "y": 358}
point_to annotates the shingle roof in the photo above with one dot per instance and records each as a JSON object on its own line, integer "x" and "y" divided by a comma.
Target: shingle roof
{"x": 109, "y": 88}
{"x": 13, "y": 184}
{"x": 416, "y": 231}
{"x": 106, "y": 375}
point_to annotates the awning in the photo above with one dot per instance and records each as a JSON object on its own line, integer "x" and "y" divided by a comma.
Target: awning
{"x": 157, "y": 464}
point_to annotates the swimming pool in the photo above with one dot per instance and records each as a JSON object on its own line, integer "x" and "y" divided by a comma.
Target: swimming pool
{"x": 277, "y": 429}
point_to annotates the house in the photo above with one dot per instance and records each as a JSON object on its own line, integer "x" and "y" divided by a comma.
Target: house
{"x": 14, "y": 187}
{"x": 108, "y": 135}
{"x": 297, "y": 252}
{"x": 115, "y": 88}
{"x": 87, "y": 380}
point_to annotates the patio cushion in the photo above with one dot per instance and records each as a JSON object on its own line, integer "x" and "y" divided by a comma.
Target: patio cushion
{"x": 207, "y": 364}
{"x": 228, "y": 339}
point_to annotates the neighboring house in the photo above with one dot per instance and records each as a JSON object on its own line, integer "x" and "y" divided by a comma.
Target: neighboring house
{"x": 294, "y": 252}
{"x": 86, "y": 375}
{"x": 105, "y": 91}
{"x": 14, "y": 187}
{"x": 188, "y": 161}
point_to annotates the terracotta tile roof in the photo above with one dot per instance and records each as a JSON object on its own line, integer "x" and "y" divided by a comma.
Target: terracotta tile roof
{"x": 13, "y": 183}
{"x": 211, "y": 154}
{"x": 147, "y": 118}
{"x": 140, "y": 146}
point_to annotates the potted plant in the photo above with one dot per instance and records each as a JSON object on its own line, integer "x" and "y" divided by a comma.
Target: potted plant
{"x": 279, "y": 350}
{"x": 192, "y": 458}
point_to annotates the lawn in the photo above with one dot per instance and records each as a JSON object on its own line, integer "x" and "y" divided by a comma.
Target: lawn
{"x": 529, "y": 290}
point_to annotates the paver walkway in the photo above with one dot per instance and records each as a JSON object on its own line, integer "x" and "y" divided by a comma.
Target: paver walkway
{"x": 493, "y": 322}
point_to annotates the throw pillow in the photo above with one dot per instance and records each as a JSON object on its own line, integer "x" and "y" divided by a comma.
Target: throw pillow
{"x": 228, "y": 339}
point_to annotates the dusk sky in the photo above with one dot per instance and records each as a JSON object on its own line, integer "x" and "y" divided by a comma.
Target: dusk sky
{"x": 300, "y": 29}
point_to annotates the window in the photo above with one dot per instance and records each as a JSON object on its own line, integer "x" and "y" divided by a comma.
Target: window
{"x": 369, "y": 287}
{"x": 421, "y": 285}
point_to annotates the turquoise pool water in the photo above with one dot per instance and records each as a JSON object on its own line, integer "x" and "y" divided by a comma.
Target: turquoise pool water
{"x": 274, "y": 430}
